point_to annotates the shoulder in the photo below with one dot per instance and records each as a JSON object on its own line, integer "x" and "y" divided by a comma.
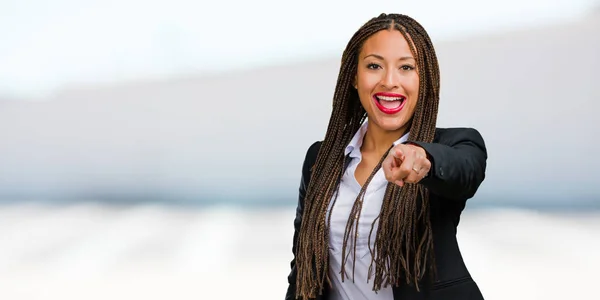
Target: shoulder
{"x": 453, "y": 135}
{"x": 311, "y": 156}
{"x": 313, "y": 150}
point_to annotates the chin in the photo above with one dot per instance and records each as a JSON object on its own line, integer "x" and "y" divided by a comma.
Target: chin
{"x": 391, "y": 124}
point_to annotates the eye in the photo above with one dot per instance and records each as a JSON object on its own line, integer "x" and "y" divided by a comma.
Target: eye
{"x": 373, "y": 66}
{"x": 407, "y": 67}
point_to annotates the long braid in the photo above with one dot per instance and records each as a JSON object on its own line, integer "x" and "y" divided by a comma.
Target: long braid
{"x": 403, "y": 247}
{"x": 410, "y": 230}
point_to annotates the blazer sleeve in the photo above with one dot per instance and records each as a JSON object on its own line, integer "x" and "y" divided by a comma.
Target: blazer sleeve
{"x": 309, "y": 161}
{"x": 458, "y": 162}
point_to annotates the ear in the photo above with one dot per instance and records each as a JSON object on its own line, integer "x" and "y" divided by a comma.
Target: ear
{"x": 354, "y": 83}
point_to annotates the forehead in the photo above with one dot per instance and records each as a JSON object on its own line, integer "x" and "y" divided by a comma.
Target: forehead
{"x": 389, "y": 43}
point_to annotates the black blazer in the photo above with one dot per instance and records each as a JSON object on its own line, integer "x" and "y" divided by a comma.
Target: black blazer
{"x": 458, "y": 157}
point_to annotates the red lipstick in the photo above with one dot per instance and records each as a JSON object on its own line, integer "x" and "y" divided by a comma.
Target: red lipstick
{"x": 393, "y": 102}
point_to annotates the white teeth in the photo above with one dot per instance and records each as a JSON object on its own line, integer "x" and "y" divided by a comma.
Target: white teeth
{"x": 386, "y": 98}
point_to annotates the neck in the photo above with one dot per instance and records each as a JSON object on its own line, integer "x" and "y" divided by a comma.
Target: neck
{"x": 378, "y": 140}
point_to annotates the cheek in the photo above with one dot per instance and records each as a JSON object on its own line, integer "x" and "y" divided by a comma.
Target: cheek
{"x": 413, "y": 86}
{"x": 366, "y": 83}
{"x": 365, "y": 99}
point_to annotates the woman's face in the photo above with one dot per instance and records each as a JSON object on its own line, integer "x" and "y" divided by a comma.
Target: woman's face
{"x": 387, "y": 80}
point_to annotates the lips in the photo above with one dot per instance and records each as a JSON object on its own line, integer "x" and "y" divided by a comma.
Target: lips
{"x": 389, "y": 103}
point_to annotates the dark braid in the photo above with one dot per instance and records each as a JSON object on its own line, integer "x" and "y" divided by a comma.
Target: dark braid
{"x": 403, "y": 242}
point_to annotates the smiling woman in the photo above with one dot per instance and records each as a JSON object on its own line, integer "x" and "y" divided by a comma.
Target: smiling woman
{"x": 387, "y": 81}
{"x": 381, "y": 195}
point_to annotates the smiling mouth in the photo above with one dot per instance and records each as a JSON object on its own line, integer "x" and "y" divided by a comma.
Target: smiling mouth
{"x": 389, "y": 103}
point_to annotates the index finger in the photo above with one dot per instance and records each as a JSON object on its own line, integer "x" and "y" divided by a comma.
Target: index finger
{"x": 388, "y": 165}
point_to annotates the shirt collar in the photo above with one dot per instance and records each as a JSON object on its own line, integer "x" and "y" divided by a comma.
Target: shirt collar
{"x": 353, "y": 148}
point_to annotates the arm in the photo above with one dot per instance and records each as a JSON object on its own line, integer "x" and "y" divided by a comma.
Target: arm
{"x": 309, "y": 160}
{"x": 458, "y": 163}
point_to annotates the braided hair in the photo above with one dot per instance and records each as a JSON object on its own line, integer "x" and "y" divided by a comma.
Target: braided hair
{"x": 403, "y": 242}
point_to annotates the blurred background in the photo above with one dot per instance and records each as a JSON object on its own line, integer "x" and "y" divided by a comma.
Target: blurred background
{"x": 153, "y": 149}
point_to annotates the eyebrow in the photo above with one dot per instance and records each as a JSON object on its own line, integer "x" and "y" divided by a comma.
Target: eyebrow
{"x": 381, "y": 57}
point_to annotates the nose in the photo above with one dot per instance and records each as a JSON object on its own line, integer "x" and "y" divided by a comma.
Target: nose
{"x": 390, "y": 80}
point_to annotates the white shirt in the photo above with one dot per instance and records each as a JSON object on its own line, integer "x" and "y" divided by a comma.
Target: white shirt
{"x": 348, "y": 191}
